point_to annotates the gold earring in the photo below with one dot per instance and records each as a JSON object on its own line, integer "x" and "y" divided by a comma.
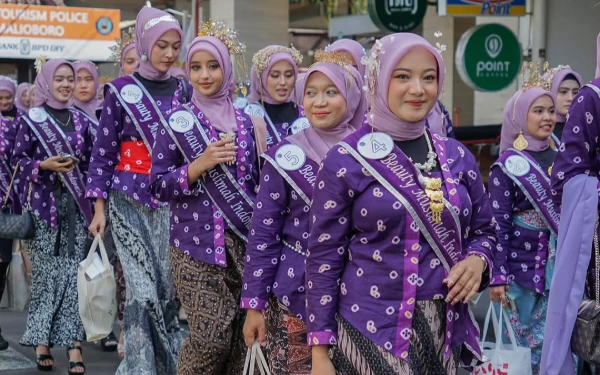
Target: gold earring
{"x": 520, "y": 143}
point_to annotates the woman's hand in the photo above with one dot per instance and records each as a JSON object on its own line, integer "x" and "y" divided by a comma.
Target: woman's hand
{"x": 53, "y": 164}
{"x": 498, "y": 294}
{"x": 254, "y": 328}
{"x": 219, "y": 152}
{"x": 464, "y": 279}
{"x": 321, "y": 363}
{"x": 98, "y": 224}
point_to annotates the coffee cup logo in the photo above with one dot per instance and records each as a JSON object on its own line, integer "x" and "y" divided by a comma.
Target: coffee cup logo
{"x": 493, "y": 45}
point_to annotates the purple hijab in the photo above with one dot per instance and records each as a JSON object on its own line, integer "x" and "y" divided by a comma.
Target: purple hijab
{"x": 396, "y": 46}
{"x": 151, "y": 24}
{"x": 560, "y": 75}
{"x": 354, "y": 48}
{"x": 8, "y": 84}
{"x": 123, "y": 54}
{"x": 178, "y": 73}
{"x": 90, "y": 106}
{"x": 218, "y": 107}
{"x": 515, "y": 119}
{"x": 21, "y": 89}
{"x": 44, "y": 92}
{"x": 317, "y": 142}
{"x": 258, "y": 84}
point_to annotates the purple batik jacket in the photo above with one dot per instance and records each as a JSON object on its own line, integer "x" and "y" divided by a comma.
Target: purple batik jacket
{"x": 8, "y": 134}
{"x": 194, "y": 217}
{"x": 277, "y": 248}
{"x": 579, "y": 152}
{"x": 524, "y": 235}
{"x": 29, "y": 152}
{"x": 115, "y": 127}
{"x": 275, "y": 132}
{"x": 369, "y": 261}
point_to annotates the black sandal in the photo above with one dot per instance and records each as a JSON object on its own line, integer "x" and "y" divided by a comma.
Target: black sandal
{"x": 72, "y": 365}
{"x": 110, "y": 339}
{"x": 41, "y": 358}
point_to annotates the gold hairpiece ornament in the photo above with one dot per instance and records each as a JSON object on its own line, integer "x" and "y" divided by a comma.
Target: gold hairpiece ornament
{"x": 373, "y": 66}
{"x": 520, "y": 143}
{"x": 261, "y": 58}
{"x": 126, "y": 39}
{"x": 535, "y": 77}
{"x": 339, "y": 58}
{"x": 104, "y": 80}
{"x": 237, "y": 49}
{"x": 38, "y": 63}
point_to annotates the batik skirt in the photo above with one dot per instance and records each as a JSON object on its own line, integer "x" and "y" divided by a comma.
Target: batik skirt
{"x": 55, "y": 254}
{"x": 355, "y": 354}
{"x": 152, "y": 335}
{"x": 211, "y": 295}
{"x": 287, "y": 349}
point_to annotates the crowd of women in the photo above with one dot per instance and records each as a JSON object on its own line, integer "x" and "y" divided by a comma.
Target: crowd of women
{"x": 329, "y": 217}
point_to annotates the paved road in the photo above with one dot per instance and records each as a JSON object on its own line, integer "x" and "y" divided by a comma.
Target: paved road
{"x": 19, "y": 360}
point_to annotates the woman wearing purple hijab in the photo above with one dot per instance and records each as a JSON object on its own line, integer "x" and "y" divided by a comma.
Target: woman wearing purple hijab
{"x": 353, "y": 49}
{"x": 528, "y": 220}
{"x": 52, "y": 151}
{"x": 84, "y": 97}
{"x": 206, "y": 168}
{"x": 564, "y": 85}
{"x": 402, "y": 232}
{"x": 9, "y": 121}
{"x": 135, "y": 109}
{"x": 272, "y": 85}
{"x": 280, "y": 224}
{"x": 574, "y": 186}
{"x": 22, "y": 96}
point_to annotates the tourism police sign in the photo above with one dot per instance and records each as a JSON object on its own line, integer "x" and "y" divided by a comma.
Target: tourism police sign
{"x": 488, "y": 57}
{"x": 397, "y": 15}
{"x": 482, "y": 7}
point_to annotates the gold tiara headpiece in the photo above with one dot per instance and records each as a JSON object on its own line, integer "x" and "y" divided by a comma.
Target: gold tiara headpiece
{"x": 227, "y": 35}
{"x": 262, "y": 57}
{"x": 535, "y": 77}
{"x": 104, "y": 79}
{"x": 339, "y": 58}
{"x": 126, "y": 39}
{"x": 39, "y": 62}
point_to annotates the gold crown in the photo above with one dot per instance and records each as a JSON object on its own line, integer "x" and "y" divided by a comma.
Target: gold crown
{"x": 104, "y": 79}
{"x": 262, "y": 57}
{"x": 225, "y": 34}
{"x": 39, "y": 62}
{"x": 535, "y": 77}
{"x": 126, "y": 39}
{"x": 339, "y": 58}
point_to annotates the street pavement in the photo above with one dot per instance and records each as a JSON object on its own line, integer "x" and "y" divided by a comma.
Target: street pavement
{"x": 19, "y": 360}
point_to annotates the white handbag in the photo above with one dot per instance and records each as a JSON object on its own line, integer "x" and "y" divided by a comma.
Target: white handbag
{"x": 97, "y": 297}
{"x": 502, "y": 359}
{"x": 255, "y": 358}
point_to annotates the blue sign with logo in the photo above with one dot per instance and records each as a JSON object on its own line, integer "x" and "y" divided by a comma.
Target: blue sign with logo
{"x": 471, "y": 8}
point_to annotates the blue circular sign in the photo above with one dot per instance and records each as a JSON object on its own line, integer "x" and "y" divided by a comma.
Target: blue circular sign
{"x": 104, "y": 26}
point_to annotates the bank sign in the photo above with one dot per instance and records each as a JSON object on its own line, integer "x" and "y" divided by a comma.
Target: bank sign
{"x": 397, "y": 15}
{"x": 459, "y": 8}
{"x": 488, "y": 57}
{"x": 30, "y": 31}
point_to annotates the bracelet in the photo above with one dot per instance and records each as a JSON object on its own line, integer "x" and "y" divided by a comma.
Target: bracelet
{"x": 483, "y": 259}
{"x": 202, "y": 174}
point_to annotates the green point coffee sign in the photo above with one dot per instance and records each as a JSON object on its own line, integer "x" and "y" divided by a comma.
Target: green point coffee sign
{"x": 488, "y": 57}
{"x": 397, "y": 15}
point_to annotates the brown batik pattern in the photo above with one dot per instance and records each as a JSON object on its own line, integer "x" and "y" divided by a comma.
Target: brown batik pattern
{"x": 287, "y": 349}
{"x": 211, "y": 297}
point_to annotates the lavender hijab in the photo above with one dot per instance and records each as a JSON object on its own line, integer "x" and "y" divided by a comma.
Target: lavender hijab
{"x": 258, "y": 84}
{"x": 8, "y": 84}
{"x": 178, "y": 73}
{"x": 218, "y": 107}
{"x": 380, "y": 116}
{"x": 123, "y": 54}
{"x": 317, "y": 142}
{"x": 90, "y": 106}
{"x": 354, "y": 48}
{"x": 44, "y": 91}
{"x": 21, "y": 89}
{"x": 515, "y": 119}
{"x": 558, "y": 78}
{"x": 151, "y": 24}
